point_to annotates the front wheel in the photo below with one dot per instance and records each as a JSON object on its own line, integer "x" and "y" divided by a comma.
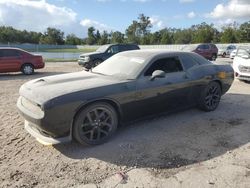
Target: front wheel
{"x": 210, "y": 97}
{"x": 95, "y": 124}
{"x": 97, "y": 62}
{"x": 27, "y": 69}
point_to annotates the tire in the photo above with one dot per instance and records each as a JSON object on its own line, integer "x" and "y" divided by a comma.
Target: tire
{"x": 210, "y": 97}
{"x": 87, "y": 66}
{"x": 224, "y": 54}
{"x": 96, "y": 62}
{"x": 27, "y": 69}
{"x": 95, "y": 124}
{"x": 214, "y": 56}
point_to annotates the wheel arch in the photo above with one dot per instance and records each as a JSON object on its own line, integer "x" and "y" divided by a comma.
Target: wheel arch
{"x": 111, "y": 102}
{"x": 219, "y": 82}
{"x": 27, "y": 63}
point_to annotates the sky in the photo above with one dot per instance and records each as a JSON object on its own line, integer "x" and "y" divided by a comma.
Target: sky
{"x": 75, "y": 16}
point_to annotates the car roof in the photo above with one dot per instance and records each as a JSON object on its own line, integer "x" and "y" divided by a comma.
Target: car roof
{"x": 149, "y": 53}
{"x": 11, "y": 48}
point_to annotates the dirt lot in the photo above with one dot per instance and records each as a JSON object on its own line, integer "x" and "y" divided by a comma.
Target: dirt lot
{"x": 186, "y": 149}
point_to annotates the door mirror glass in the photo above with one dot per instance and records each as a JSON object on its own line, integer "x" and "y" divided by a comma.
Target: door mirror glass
{"x": 158, "y": 74}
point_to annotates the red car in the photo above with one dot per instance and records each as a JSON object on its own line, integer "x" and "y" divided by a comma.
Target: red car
{"x": 207, "y": 50}
{"x": 15, "y": 60}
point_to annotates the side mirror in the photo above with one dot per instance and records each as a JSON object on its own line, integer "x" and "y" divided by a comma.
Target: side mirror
{"x": 157, "y": 74}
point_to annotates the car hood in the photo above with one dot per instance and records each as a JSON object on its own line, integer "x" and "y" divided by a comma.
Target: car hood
{"x": 44, "y": 89}
{"x": 241, "y": 61}
{"x": 90, "y": 54}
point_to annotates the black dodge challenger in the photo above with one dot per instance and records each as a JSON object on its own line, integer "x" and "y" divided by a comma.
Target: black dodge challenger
{"x": 89, "y": 106}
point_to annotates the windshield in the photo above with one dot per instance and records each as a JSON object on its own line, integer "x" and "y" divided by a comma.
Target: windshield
{"x": 244, "y": 52}
{"x": 102, "y": 48}
{"x": 121, "y": 66}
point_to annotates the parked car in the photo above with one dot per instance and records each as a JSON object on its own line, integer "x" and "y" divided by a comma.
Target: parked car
{"x": 15, "y": 60}
{"x": 89, "y": 106}
{"x": 241, "y": 63}
{"x": 226, "y": 50}
{"x": 233, "y": 53}
{"x": 207, "y": 50}
{"x": 90, "y": 60}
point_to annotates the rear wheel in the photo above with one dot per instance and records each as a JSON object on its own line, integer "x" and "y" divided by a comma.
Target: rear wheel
{"x": 224, "y": 54}
{"x": 210, "y": 97}
{"x": 27, "y": 69}
{"x": 214, "y": 56}
{"x": 95, "y": 124}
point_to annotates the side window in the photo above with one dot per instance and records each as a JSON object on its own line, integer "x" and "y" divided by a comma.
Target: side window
{"x": 1, "y": 53}
{"x": 122, "y": 48}
{"x": 201, "y": 47}
{"x": 199, "y": 59}
{"x": 168, "y": 65}
{"x": 10, "y": 53}
{"x": 132, "y": 47}
{"x": 188, "y": 61}
{"x": 113, "y": 49}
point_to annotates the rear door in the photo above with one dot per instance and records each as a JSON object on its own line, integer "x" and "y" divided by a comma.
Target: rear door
{"x": 10, "y": 60}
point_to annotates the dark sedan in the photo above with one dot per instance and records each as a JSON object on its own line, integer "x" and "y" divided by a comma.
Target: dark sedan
{"x": 89, "y": 106}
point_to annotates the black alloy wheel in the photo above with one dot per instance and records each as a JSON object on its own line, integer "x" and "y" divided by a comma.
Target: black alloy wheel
{"x": 95, "y": 124}
{"x": 210, "y": 97}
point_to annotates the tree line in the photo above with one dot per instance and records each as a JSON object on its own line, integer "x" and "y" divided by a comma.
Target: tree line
{"x": 138, "y": 32}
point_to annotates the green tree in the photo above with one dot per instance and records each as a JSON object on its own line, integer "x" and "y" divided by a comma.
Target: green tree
{"x": 52, "y": 36}
{"x": 143, "y": 25}
{"x": 98, "y": 37}
{"x": 183, "y": 36}
{"x": 228, "y": 35}
{"x": 91, "y": 36}
{"x": 244, "y": 32}
{"x": 166, "y": 37}
{"x": 72, "y": 39}
{"x": 117, "y": 37}
{"x": 132, "y": 33}
{"x": 104, "y": 38}
{"x": 203, "y": 33}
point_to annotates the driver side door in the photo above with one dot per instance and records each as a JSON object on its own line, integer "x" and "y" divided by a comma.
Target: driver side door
{"x": 163, "y": 94}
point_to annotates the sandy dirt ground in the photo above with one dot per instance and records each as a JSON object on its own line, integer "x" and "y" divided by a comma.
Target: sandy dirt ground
{"x": 190, "y": 148}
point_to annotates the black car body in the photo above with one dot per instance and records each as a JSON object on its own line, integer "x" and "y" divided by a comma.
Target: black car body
{"x": 92, "y": 59}
{"x": 141, "y": 83}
